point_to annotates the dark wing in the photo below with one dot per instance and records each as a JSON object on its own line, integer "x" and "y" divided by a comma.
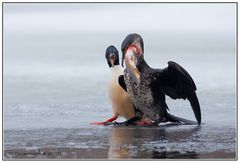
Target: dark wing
{"x": 176, "y": 82}
{"x": 122, "y": 82}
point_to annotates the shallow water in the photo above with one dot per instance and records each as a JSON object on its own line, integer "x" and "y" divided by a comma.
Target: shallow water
{"x": 55, "y": 84}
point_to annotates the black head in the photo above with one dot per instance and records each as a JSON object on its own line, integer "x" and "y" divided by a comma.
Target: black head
{"x": 132, "y": 40}
{"x": 112, "y": 56}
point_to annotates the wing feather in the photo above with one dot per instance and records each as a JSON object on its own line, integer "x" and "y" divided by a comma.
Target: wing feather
{"x": 122, "y": 83}
{"x": 176, "y": 82}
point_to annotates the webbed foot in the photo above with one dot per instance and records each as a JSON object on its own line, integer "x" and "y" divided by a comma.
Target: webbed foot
{"x": 145, "y": 123}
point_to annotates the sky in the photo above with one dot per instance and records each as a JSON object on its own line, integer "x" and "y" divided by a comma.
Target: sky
{"x": 117, "y": 17}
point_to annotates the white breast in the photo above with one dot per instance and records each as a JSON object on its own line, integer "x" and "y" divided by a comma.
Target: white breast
{"x": 120, "y": 101}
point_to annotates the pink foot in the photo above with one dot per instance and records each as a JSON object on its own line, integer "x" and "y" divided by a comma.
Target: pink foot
{"x": 145, "y": 123}
{"x": 108, "y": 120}
{"x": 97, "y": 123}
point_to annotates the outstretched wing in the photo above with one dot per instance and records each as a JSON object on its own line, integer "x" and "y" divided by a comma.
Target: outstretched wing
{"x": 176, "y": 82}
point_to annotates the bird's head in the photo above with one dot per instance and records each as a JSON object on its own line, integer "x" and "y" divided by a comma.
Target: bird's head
{"x": 132, "y": 48}
{"x": 112, "y": 56}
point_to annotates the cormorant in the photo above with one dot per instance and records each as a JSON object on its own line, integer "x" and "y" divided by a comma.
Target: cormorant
{"x": 147, "y": 87}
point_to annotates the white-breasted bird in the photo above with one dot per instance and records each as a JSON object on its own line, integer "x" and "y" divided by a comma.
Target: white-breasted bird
{"x": 119, "y": 99}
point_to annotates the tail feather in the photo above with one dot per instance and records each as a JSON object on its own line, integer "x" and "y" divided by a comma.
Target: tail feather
{"x": 195, "y": 106}
{"x": 173, "y": 118}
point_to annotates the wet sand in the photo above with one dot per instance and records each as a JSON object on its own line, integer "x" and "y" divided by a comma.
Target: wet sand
{"x": 168, "y": 141}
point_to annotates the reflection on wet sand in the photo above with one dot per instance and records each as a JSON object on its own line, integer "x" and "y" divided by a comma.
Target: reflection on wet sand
{"x": 168, "y": 141}
{"x": 133, "y": 142}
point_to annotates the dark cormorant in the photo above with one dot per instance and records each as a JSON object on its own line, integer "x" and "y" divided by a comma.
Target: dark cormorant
{"x": 147, "y": 86}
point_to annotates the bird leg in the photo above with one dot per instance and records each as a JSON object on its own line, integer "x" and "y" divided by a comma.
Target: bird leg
{"x": 106, "y": 122}
{"x": 131, "y": 121}
{"x": 146, "y": 122}
{"x": 128, "y": 122}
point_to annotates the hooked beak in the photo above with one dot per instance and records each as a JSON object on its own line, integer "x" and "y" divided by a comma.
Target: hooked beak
{"x": 133, "y": 51}
{"x": 127, "y": 55}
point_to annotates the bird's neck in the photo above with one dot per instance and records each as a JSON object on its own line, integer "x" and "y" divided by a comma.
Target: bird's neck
{"x": 115, "y": 67}
{"x": 142, "y": 64}
{"x": 130, "y": 64}
{"x": 116, "y": 70}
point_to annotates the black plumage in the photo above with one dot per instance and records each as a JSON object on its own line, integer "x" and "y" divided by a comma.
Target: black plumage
{"x": 149, "y": 90}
